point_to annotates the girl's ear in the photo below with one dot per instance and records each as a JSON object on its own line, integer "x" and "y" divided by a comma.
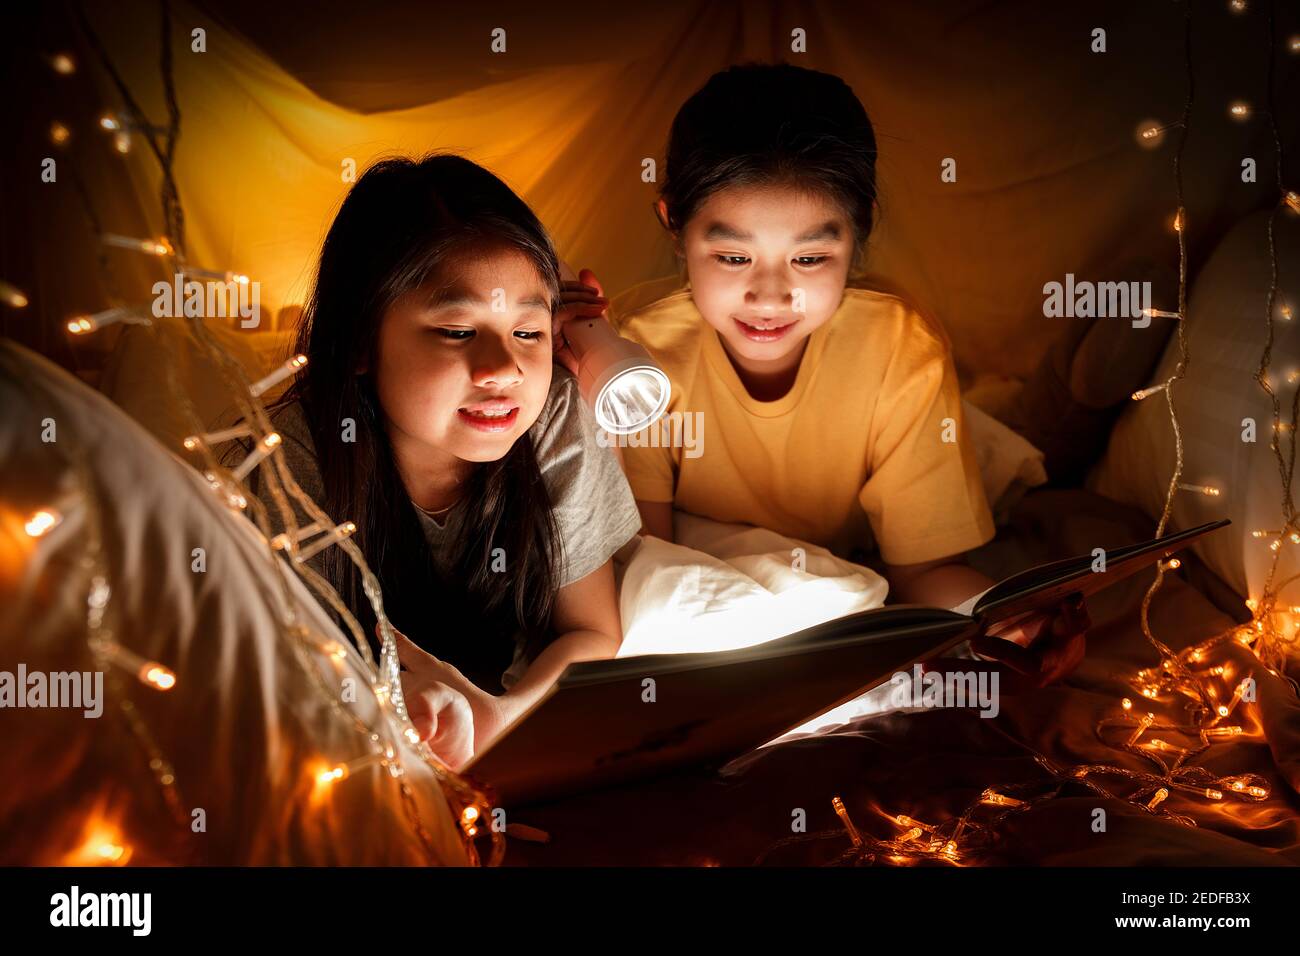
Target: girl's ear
{"x": 661, "y": 213}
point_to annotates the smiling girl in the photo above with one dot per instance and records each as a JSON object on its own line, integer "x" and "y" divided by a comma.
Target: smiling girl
{"x": 431, "y": 414}
{"x": 829, "y": 408}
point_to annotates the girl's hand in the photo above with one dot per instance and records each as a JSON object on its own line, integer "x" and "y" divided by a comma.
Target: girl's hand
{"x": 580, "y": 298}
{"x": 490, "y": 713}
{"x": 442, "y": 716}
{"x": 1040, "y": 648}
{"x": 1027, "y": 652}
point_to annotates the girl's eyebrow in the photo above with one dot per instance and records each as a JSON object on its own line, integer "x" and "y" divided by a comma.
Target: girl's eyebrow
{"x": 827, "y": 230}
{"x": 454, "y": 298}
{"x": 720, "y": 230}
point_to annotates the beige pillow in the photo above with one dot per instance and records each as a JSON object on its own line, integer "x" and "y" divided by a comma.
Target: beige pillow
{"x": 1225, "y": 332}
{"x": 255, "y": 715}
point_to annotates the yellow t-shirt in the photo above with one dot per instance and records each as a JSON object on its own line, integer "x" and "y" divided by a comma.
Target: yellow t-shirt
{"x": 868, "y": 444}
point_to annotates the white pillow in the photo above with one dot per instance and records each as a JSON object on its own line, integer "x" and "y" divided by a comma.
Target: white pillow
{"x": 247, "y": 727}
{"x": 725, "y": 586}
{"x": 1225, "y": 332}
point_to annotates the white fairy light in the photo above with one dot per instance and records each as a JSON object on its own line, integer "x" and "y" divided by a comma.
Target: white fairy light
{"x": 153, "y": 247}
{"x": 267, "y": 445}
{"x": 337, "y": 534}
{"x": 129, "y": 314}
{"x": 290, "y": 367}
{"x": 192, "y": 442}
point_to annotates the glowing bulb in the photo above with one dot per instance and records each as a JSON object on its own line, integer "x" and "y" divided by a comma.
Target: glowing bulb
{"x": 469, "y": 815}
{"x": 122, "y": 142}
{"x": 1147, "y": 392}
{"x": 1239, "y": 110}
{"x": 329, "y": 776}
{"x": 157, "y": 676}
{"x": 1233, "y": 731}
{"x": 63, "y": 64}
{"x": 59, "y": 134}
{"x": 842, "y": 812}
{"x": 1292, "y": 199}
{"x": 996, "y": 799}
{"x": 288, "y": 368}
{"x": 12, "y": 296}
{"x": 1146, "y": 721}
{"x": 1126, "y": 704}
{"x": 42, "y": 522}
{"x": 1237, "y": 6}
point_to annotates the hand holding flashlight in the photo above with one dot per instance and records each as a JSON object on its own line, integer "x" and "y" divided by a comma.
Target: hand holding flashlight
{"x": 620, "y": 382}
{"x": 581, "y": 297}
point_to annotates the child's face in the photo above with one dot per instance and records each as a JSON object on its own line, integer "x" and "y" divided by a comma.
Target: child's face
{"x": 464, "y": 363}
{"x": 767, "y": 266}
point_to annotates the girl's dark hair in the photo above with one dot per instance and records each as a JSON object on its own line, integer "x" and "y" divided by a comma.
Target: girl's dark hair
{"x": 399, "y": 223}
{"x": 761, "y": 124}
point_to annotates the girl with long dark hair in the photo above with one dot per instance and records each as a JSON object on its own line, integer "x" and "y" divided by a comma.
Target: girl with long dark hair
{"x": 431, "y": 414}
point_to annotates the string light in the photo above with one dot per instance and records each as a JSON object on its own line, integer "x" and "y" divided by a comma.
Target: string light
{"x": 59, "y": 134}
{"x": 1151, "y": 133}
{"x": 191, "y": 442}
{"x": 129, "y": 314}
{"x": 1158, "y": 798}
{"x": 291, "y": 367}
{"x": 1208, "y": 490}
{"x": 342, "y": 771}
{"x": 153, "y": 247}
{"x": 1143, "y": 723}
{"x": 333, "y": 537}
{"x": 282, "y": 540}
{"x": 254, "y": 458}
{"x": 63, "y": 64}
{"x": 1239, "y": 110}
{"x": 1148, "y": 392}
{"x": 150, "y": 673}
{"x": 236, "y": 277}
{"x": 1160, "y": 314}
{"x": 992, "y": 797}
{"x": 12, "y": 296}
{"x": 42, "y": 522}
{"x": 842, "y": 812}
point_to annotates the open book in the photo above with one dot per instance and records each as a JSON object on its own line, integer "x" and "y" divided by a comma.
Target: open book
{"x": 611, "y": 721}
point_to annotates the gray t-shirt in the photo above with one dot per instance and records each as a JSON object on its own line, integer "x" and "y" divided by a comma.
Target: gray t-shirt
{"x": 593, "y": 505}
